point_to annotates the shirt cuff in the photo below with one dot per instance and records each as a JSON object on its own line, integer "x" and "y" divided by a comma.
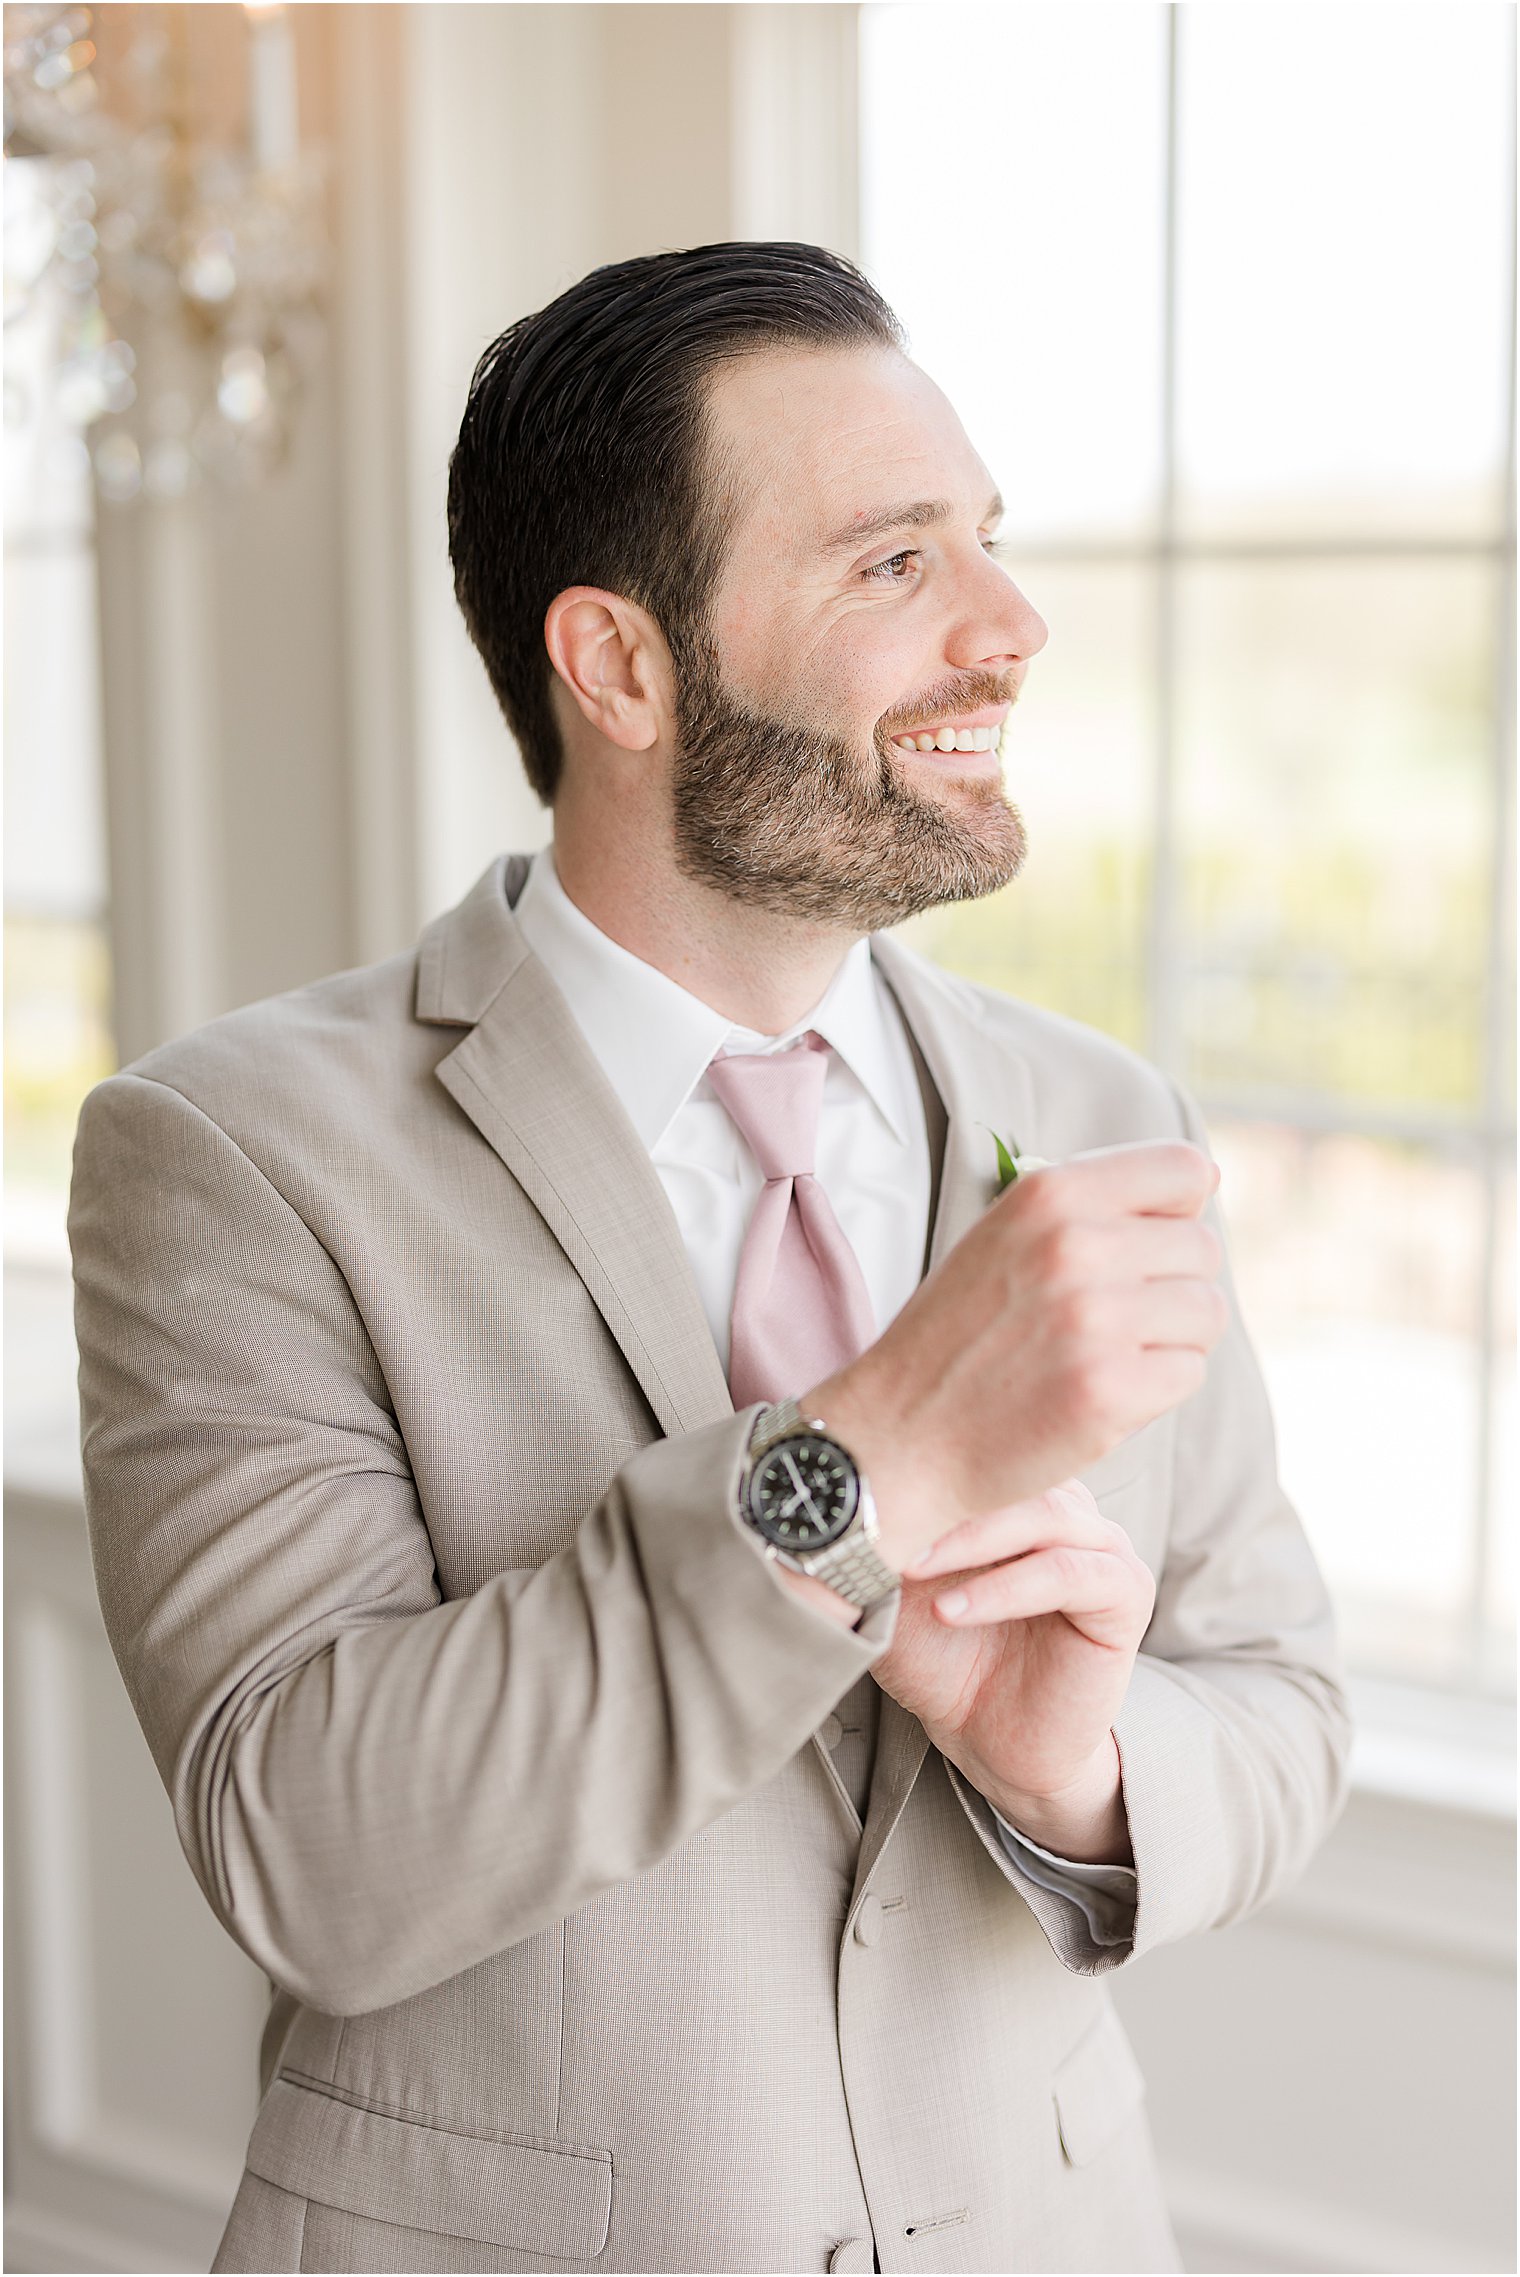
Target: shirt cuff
{"x": 1105, "y": 1895}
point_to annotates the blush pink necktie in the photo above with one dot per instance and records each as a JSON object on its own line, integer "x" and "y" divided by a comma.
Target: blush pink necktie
{"x": 801, "y": 1305}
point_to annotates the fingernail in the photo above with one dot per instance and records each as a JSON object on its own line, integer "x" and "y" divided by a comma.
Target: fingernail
{"x": 953, "y": 1602}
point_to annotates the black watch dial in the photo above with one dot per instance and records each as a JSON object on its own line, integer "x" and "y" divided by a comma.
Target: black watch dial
{"x": 803, "y": 1493}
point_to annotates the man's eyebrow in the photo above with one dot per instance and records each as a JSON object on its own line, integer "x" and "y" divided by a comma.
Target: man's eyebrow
{"x": 914, "y": 514}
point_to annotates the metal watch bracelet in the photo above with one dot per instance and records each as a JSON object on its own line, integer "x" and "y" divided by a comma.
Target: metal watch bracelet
{"x": 853, "y": 1567}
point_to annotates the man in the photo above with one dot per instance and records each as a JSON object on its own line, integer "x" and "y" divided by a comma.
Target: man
{"x": 685, "y": 1631}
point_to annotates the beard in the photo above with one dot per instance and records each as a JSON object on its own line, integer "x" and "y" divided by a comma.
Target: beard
{"x": 792, "y": 820}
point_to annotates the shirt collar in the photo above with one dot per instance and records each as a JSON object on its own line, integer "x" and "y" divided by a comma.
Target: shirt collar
{"x": 653, "y": 1039}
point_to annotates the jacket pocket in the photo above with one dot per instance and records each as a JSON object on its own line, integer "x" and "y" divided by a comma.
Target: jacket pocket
{"x": 1096, "y": 2088}
{"x": 487, "y": 2188}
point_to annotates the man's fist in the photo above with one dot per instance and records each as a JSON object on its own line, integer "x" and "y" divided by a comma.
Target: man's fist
{"x": 1083, "y": 1304}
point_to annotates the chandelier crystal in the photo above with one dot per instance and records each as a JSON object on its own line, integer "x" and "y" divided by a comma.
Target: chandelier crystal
{"x": 189, "y": 274}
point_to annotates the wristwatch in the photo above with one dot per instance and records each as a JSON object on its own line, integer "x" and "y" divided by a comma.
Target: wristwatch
{"x": 804, "y": 1495}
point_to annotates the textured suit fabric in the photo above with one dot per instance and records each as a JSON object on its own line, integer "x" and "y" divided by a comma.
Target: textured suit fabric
{"x": 493, "y": 1740}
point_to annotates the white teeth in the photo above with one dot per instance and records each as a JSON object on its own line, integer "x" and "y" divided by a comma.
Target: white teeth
{"x": 951, "y": 739}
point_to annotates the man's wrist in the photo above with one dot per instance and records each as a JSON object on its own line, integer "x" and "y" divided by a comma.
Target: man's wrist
{"x": 1085, "y": 1821}
{"x": 852, "y": 1415}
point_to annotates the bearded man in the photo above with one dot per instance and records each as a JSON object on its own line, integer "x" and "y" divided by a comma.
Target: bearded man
{"x": 686, "y": 1631}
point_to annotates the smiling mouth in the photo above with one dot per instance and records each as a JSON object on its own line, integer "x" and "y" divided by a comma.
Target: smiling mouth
{"x": 971, "y": 727}
{"x": 946, "y": 739}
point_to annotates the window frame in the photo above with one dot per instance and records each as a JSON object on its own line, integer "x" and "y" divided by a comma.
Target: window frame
{"x": 1487, "y": 1133}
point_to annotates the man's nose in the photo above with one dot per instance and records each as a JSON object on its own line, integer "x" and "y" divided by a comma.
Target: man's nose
{"x": 1033, "y": 630}
{"x": 998, "y": 623}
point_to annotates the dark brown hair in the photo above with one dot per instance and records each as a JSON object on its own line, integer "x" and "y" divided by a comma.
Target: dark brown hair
{"x": 580, "y": 460}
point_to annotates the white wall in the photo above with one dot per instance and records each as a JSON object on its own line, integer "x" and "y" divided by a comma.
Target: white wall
{"x": 1332, "y": 2083}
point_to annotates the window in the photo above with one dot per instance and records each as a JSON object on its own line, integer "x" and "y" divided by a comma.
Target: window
{"x": 1224, "y": 297}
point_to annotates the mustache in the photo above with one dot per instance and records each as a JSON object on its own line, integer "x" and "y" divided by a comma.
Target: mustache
{"x": 969, "y": 692}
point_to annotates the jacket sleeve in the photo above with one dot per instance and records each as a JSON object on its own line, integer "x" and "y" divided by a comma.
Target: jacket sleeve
{"x": 1234, "y": 1736}
{"x": 374, "y": 1787}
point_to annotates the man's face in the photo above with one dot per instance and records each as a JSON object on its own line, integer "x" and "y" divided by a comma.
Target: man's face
{"x": 859, "y": 613}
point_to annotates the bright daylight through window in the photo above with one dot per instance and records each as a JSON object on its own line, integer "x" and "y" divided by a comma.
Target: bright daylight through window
{"x": 1223, "y": 296}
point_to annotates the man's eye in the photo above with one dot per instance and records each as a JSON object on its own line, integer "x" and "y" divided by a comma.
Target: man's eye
{"x": 893, "y": 570}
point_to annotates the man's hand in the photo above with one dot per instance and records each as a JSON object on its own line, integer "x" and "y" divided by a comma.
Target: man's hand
{"x": 1081, "y": 1305}
{"x": 1014, "y": 1645}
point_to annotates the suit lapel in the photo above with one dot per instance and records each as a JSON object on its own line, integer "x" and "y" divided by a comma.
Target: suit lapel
{"x": 985, "y": 1086}
{"x": 529, "y": 1083}
{"x": 980, "y": 1083}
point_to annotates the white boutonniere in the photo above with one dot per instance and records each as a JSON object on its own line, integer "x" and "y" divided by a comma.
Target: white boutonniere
{"x": 1012, "y": 1165}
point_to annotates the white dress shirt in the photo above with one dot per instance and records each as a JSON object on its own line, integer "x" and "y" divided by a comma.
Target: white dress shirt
{"x": 654, "y": 1041}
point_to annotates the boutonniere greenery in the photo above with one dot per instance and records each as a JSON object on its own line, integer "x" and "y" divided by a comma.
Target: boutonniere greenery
{"x": 1012, "y": 1165}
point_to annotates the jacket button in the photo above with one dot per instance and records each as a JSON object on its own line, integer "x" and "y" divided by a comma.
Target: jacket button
{"x": 867, "y": 1932}
{"x": 854, "y": 2256}
{"x": 831, "y": 1732}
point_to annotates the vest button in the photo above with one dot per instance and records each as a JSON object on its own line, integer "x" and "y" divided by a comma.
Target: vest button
{"x": 831, "y": 1732}
{"x": 853, "y": 2256}
{"x": 868, "y": 1920}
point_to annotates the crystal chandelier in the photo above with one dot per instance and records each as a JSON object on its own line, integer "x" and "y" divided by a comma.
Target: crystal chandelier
{"x": 188, "y": 275}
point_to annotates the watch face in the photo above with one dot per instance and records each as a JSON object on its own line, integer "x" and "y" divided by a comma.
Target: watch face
{"x": 803, "y": 1493}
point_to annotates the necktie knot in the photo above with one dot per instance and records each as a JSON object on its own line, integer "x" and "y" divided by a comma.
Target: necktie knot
{"x": 774, "y": 1099}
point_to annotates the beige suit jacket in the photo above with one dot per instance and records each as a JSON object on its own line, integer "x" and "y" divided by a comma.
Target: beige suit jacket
{"x": 492, "y": 1739}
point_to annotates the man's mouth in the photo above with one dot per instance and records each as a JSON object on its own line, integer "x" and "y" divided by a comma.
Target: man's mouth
{"x": 973, "y": 731}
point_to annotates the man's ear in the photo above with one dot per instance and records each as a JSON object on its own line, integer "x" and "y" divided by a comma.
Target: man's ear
{"x": 611, "y": 656}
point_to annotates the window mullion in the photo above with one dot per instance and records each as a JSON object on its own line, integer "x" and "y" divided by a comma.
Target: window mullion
{"x": 1328, "y": 1115}
{"x": 1497, "y": 1104}
{"x": 1064, "y": 553}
